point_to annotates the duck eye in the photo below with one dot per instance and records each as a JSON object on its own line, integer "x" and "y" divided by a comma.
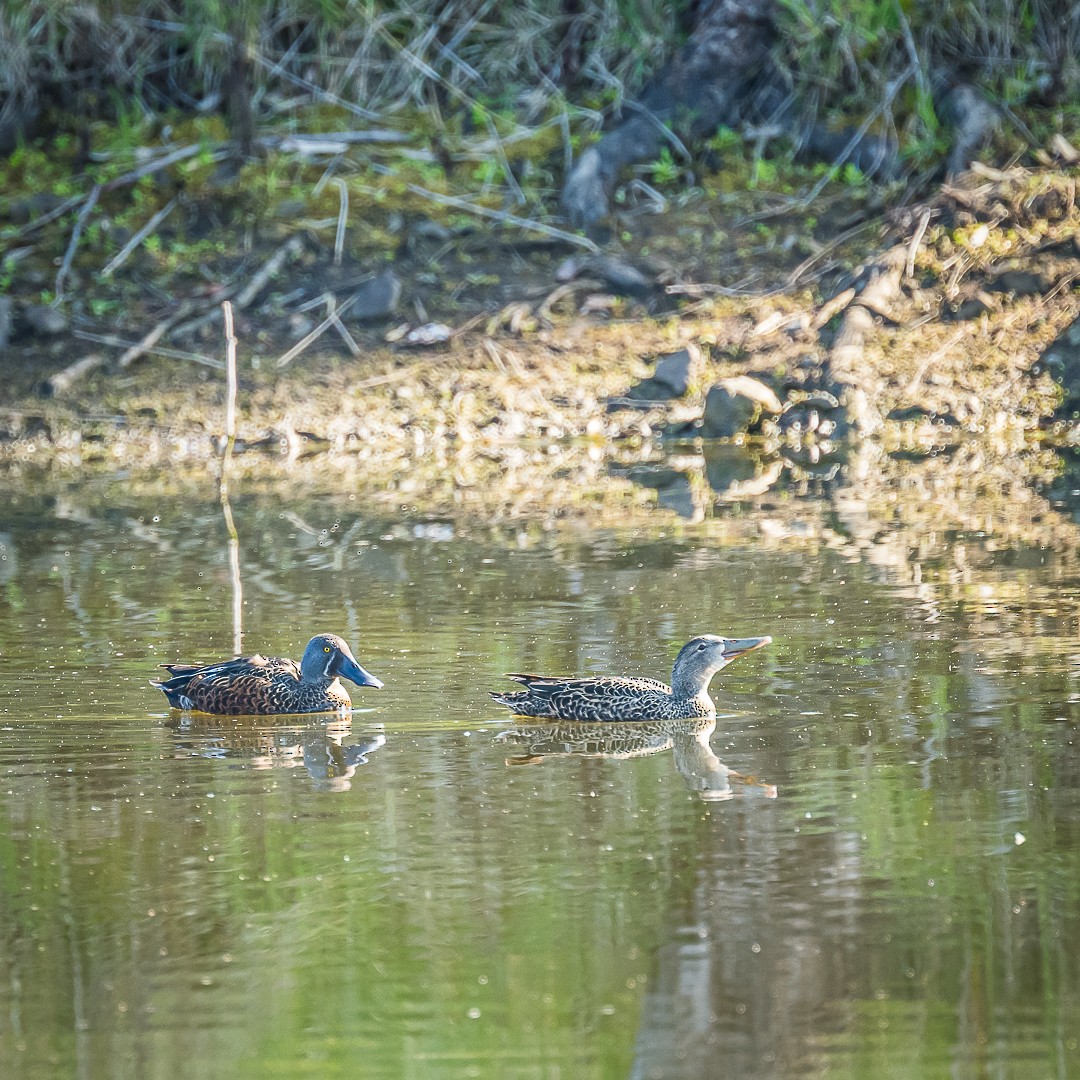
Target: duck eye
{"x": 701, "y": 647}
{"x": 326, "y": 648}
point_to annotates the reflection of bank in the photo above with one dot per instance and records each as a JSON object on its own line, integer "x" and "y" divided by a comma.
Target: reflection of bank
{"x": 699, "y": 767}
{"x": 326, "y": 750}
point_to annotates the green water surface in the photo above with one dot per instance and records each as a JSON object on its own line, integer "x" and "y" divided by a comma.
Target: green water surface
{"x": 871, "y": 868}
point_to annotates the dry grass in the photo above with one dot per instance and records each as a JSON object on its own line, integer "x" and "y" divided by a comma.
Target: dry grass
{"x": 370, "y": 60}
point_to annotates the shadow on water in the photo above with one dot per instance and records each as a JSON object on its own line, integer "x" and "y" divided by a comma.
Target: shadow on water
{"x": 702, "y": 771}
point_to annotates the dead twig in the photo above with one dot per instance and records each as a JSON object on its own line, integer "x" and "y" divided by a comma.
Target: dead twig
{"x": 45, "y": 219}
{"x": 146, "y": 343}
{"x": 242, "y": 298}
{"x": 892, "y": 88}
{"x": 124, "y": 253}
{"x": 76, "y": 233}
{"x": 182, "y": 153}
{"x": 230, "y": 373}
{"x": 832, "y": 307}
{"x": 916, "y": 240}
{"x": 504, "y": 218}
{"x": 291, "y": 249}
{"x": 157, "y": 350}
{"x": 342, "y": 218}
{"x": 795, "y": 276}
{"x": 933, "y": 358}
{"x": 338, "y": 325}
{"x": 307, "y": 339}
{"x": 62, "y": 380}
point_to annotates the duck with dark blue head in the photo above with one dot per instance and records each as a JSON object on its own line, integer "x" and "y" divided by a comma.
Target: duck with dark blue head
{"x": 260, "y": 685}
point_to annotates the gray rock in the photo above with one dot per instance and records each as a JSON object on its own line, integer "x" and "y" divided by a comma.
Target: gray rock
{"x": 1061, "y": 359}
{"x": 672, "y": 377}
{"x": 45, "y": 321}
{"x": 377, "y": 298}
{"x": 726, "y": 414}
{"x": 679, "y": 497}
{"x": 733, "y": 405}
{"x": 650, "y": 390}
{"x": 1020, "y": 283}
{"x": 678, "y": 369}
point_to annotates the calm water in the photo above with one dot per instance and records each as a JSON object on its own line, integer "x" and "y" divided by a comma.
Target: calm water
{"x": 870, "y": 868}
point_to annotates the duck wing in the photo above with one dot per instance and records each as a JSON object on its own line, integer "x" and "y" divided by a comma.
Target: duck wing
{"x": 606, "y": 698}
{"x": 232, "y": 686}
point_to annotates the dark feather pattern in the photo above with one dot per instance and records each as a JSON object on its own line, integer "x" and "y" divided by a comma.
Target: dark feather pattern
{"x": 615, "y": 698}
{"x": 605, "y": 698}
{"x": 259, "y": 685}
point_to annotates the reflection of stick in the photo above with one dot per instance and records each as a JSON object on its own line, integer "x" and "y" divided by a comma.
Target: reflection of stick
{"x": 230, "y": 396}
{"x": 234, "y": 575}
{"x": 223, "y": 487}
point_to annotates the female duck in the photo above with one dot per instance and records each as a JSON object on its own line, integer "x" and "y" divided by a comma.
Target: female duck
{"x": 627, "y": 698}
{"x": 260, "y": 685}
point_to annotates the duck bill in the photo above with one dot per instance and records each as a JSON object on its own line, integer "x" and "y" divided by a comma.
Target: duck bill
{"x": 348, "y": 668}
{"x": 736, "y": 647}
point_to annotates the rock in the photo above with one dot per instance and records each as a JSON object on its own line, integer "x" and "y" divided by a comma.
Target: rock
{"x": 678, "y": 369}
{"x": 733, "y": 405}
{"x": 5, "y": 320}
{"x": 646, "y": 390}
{"x": 428, "y": 334}
{"x": 726, "y": 414}
{"x": 672, "y": 486}
{"x": 729, "y": 466}
{"x": 678, "y": 496}
{"x": 973, "y": 121}
{"x": 1062, "y": 359}
{"x": 1020, "y": 283}
{"x": 45, "y": 321}
{"x": 672, "y": 377}
{"x": 290, "y": 209}
{"x": 377, "y": 298}
{"x": 973, "y": 307}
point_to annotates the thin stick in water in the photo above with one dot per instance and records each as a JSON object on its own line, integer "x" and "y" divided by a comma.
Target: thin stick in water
{"x": 223, "y": 488}
{"x": 230, "y": 395}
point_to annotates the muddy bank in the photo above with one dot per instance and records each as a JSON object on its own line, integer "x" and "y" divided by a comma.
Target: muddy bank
{"x": 494, "y": 356}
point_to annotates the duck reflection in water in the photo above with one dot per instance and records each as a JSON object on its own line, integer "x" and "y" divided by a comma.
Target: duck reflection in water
{"x": 703, "y": 772}
{"x": 328, "y": 751}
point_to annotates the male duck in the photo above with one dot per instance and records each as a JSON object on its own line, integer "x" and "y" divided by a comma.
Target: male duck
{"x": 260, "y": 685}
{"x": 627, "y": 698}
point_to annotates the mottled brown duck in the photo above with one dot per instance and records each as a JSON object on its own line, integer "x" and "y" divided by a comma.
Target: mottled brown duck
{"x": 261, "y": 685}
{"x": 623, "y": 697}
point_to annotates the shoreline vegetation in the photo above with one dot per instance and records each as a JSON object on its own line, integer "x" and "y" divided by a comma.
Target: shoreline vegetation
{"x": 411, "y": 307}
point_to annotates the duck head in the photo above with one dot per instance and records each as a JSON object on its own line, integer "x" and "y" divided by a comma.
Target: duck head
{"x": 702, "y": 657}
{"x": 327, "y": 657}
